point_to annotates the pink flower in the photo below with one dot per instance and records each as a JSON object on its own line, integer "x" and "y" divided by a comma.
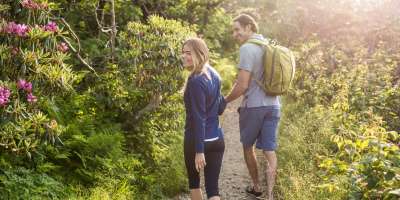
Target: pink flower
{"x": 21, "y": 84}
{"x": 31, "y": 98}
{"x": 28, "y": 87}
{"x": 30, "y": 4}
{"x": 51, "y": 26}
{"x": 10, "y": 27}
{"x": 62, "y": 47}
{"x": 4, "y": 96}
{"x": 17, "y": 29}
{"x": 3, "y": 102}
{"x": 27, "y": 3}
{"x": 6, "y": 93}
{"x": 21, "y": 30}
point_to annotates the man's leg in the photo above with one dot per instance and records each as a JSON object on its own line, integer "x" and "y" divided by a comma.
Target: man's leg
{"x": 271, "y": 172}
{"x": 268, "y": 142}
{"x": 251, "y": 162}
{"x": 250, "y": 122}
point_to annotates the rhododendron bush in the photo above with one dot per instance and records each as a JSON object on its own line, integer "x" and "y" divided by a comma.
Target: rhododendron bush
{"x": 33, "y": 59}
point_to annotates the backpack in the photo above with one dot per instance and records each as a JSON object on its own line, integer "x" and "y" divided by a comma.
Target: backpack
{"x": 279, "y": 67}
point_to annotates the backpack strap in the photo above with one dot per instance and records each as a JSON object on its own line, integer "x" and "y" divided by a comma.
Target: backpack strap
{"x": 262, "y": 43}
{"x": 258, "y": 42}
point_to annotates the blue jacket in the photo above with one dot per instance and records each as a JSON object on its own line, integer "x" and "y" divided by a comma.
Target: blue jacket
{"x": 203, "y": 103}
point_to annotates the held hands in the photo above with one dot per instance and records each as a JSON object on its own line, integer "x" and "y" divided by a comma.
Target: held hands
{"x": 222, "y": 105}
{"x": 199, "y": 161}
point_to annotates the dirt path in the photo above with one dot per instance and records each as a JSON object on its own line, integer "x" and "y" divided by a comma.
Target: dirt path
{"x": 234, "y": 175}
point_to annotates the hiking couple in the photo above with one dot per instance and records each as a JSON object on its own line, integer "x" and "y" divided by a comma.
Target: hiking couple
{"x": 259, "y": 113}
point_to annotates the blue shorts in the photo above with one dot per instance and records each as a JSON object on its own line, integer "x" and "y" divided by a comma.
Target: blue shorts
{"x": 259, "y": 125}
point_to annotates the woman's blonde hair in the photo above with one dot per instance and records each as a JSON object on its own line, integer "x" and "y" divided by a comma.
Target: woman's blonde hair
{"x": 200, "y": 54}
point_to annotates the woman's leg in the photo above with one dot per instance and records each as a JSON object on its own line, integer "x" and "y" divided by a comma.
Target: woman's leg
{"x": 214, "y": 152}
{"x": 214, "y": 198}
{"x": 193, "y": 175}
{"x": 195, "y": 194}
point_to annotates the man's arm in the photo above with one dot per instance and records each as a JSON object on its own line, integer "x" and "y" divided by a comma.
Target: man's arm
{"x": 240, "y": 86}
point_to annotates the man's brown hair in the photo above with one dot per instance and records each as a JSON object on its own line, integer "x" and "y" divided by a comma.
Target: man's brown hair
{"x": 245, "y": 19}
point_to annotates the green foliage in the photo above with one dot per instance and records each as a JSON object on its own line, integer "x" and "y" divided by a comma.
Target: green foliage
{"x": 21, "y": 183}
{"x": 36, "y": 55}
{"x": 153, "y": 54}
{"x": 111, "y": 189}
{"x": 304, "y": 133}
{"x": 358, "y": 89}
{"x": 30, "y": 50}
{"x": 227, "y": 71}
{"x": 161, "y": 147}
{"x": 148, "y": 68}
{"x": 217, "y": 32}
{"x": 369, "y": 165}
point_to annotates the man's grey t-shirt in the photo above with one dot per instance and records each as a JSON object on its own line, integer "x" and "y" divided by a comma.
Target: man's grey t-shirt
{"x": 251, "y": 59}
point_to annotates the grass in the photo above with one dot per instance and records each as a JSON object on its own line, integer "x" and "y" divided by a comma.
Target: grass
{"x": 304, "y": 134}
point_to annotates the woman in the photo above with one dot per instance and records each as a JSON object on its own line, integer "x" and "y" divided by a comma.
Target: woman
{"x": 204, "y": 143}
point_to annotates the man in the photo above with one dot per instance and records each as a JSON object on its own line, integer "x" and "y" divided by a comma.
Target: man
{"x": 259, "y": 113}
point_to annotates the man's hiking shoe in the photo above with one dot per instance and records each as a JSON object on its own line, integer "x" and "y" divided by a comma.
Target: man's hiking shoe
{"x": 250, "y": 190}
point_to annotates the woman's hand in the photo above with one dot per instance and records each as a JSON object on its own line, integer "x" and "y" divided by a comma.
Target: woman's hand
{"x": 199, "y": 161}
{"x": 222, "y": 105}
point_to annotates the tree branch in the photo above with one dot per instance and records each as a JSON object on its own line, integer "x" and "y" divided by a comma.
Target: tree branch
{"x": 73, "y": 33}
{"x": 154, "y": 103}
{"x": 100, "y": 7}
{"x": 76, "y": 51}
{"x": 83, "y": 61}
{"x": 113, "y": 31}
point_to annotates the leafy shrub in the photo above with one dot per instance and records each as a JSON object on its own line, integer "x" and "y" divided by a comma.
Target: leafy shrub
{"x": 353, "y": 91}
{"x": 21, "y": 183}
{"x": 227, "y": 71}
{"x": 369, "y": 166}
{"x": 34, "y": 68}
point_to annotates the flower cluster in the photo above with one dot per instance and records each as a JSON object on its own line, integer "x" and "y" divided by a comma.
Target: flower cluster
{"x": 4, "y": 96}
{"x": 30, "y": 4}
{"x": 24, "y": 85}
{"x": 62, "y": 47}
{"x": 20, "y": 30}
{"x": 31, "y": 98}
{"x": 51, "y": 27}
{"x": 27, "y": 87}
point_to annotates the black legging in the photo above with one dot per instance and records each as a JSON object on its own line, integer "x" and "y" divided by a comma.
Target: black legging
{"x": 213, "y": 153}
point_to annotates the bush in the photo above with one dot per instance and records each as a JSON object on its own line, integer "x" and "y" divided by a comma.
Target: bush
{"x": 21, "y": 183}
{"x": 227, "y": 71}
{"x": 34, "y": 68}
{"x": 103, "y": 143}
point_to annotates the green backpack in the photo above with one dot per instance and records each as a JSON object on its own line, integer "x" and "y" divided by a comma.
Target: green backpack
{"x": 279, "y": 68}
